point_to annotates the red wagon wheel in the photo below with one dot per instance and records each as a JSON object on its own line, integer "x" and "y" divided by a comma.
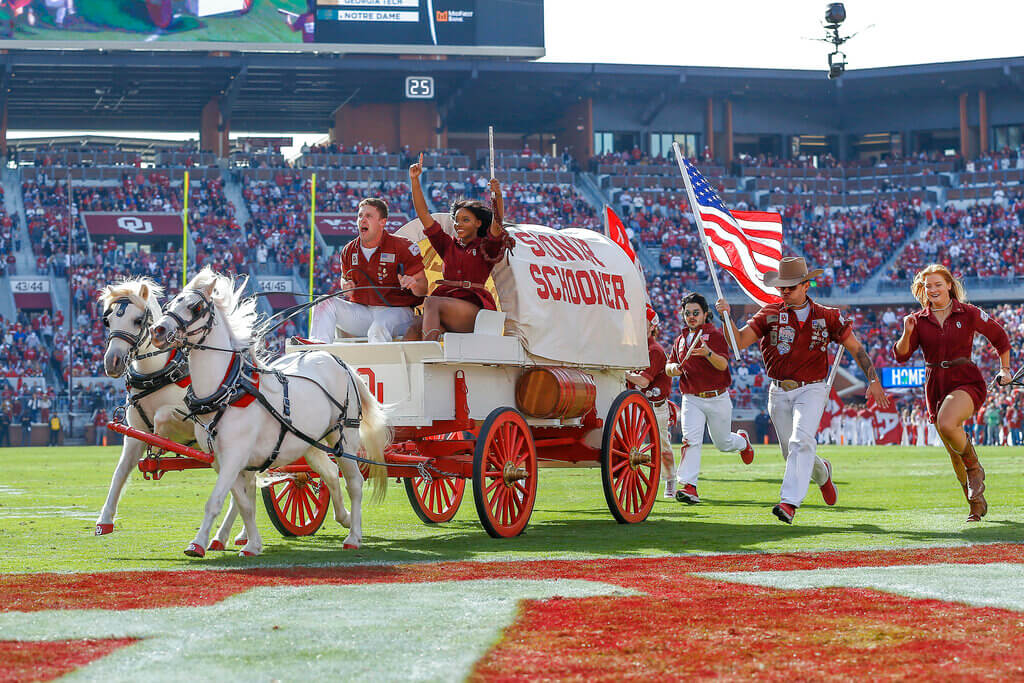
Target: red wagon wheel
{"x": 504, "y": 473}
{"x": 630, "y": 458}
{"x": 298, "y": 505}
{"x": 439, "y": 500}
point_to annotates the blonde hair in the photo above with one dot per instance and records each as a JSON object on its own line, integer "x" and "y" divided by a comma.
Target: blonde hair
{"x": 956, "y": 288}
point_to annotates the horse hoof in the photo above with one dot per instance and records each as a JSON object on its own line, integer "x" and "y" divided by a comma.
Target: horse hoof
{"x": 104, "y": 529}
{"x": 195, "y": 550}
{"x": 349, "y": 546}
{"x": 215, "y": 545}
{"x": 241, "y": 541}
{"x": 246, "y": 553}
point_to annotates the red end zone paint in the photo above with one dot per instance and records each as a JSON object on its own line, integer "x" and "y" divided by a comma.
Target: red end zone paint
{"x": 684, "y": 625}
{"x": 130, "y": 590}
{"x": 45, "y": 661}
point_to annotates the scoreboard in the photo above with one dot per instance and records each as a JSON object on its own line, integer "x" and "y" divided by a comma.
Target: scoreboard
{"x": 903, "y": 376}
{"x": 514, "y": 27}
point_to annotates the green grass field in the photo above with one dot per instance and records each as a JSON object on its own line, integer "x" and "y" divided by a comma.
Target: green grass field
{"x": 888, "y": 498}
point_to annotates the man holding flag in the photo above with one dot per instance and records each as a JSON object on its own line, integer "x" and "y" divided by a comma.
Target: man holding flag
{"x": 794, "y": 336}
{"x": 794, "y": 332}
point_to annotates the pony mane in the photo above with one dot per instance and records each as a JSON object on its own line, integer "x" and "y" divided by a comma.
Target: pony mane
{"x": 240, "y": 313}
{"x": 132, "y": 288}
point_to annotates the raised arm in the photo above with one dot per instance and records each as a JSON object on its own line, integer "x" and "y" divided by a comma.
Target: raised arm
{"x": 744, "y": 337}
{"x": 497, "y": 209}
{"x": 860, "y": 354}
{"x": 419, "y": 202}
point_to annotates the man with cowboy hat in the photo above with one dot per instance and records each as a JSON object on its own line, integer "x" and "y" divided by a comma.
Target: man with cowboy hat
{"x": 656, "y": 386}
{"x": 794, "y": 336}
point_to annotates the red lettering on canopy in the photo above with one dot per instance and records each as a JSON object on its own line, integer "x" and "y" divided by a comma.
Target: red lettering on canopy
{"x": 542, "y": 285}
{"x": 619, "y": 287}
{"x": 529, "y": 240}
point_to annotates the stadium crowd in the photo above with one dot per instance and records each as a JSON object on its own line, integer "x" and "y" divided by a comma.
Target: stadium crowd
{"x": 850, "y": 243}
{"x": 983, "y": 240}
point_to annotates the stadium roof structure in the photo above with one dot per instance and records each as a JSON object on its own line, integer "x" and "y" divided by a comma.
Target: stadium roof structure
{"x": 299, "y": 92}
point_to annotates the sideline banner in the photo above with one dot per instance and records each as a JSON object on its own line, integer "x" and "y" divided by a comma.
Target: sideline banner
{"x": 138, "y": 226}
{"x": 339, "y": 228}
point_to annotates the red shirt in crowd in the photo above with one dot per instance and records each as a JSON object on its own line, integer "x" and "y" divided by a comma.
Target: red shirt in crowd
{"x": 660, "y": 384}
{"x": 381, "y": 271}
{"x": 795, "y": 350}
{"x": 698, "y": 374}
{"x": 465, "y": 262}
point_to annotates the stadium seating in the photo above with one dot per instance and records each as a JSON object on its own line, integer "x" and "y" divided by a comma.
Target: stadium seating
{"x": 850, "y": 243}
{"x": 982, "y": 243}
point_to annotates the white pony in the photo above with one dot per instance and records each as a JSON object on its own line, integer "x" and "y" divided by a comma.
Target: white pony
{"x": 234, "y": 393}
{"x": 129, "y": 307}
{"x": 157, "y": 383}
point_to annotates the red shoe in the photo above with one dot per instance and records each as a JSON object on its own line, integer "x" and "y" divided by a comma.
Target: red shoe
{"x": 828, "y": 489}
{"x": 785, "y": 512}
{"x": 302, "y": 340}
{"x": 747, "y": 454}
{"x": 688, "y": 494}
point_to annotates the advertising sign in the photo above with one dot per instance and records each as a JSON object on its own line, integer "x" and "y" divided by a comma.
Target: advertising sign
{"x": 509, "y": 28}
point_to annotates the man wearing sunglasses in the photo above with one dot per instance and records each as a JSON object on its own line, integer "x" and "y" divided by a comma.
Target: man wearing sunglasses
{"x": 794, "y": 336}
{"x": 700, "y": 358}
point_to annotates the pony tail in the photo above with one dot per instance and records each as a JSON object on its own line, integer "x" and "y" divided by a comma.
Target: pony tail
{"x": 375, "y": 434}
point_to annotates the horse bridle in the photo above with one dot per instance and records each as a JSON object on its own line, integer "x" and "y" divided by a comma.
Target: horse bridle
{"x": 134, "y": 340}
{"x": 200, "y": 309}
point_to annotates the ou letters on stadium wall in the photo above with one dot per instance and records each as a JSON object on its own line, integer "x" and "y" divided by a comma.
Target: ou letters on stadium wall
{"x": 133, "y": 227}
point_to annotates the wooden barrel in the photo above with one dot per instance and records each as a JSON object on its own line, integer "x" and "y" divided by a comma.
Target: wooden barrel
{"x": 551, "y": 392}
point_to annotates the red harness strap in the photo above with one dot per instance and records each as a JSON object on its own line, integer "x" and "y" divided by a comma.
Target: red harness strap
{"x": 185, "y": 381}
{"x": 246, "y": 398}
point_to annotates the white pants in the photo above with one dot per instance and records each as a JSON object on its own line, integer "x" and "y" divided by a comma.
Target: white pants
{"x": 849, "y": 432}
{"x": 796, "y": 415}
{"x": 716, "y": 413}
{"x": 668, "y": 460}
{"x": 376, "y": 323}
{"x": 867, "y": 432}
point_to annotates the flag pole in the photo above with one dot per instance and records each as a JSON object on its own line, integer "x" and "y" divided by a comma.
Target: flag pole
{"x": 490, "y": 145}
{"x": 703, "y": 239}
{"x": 184, "y": 232}
{"x": 835, "y": 366}
{"x": 312, "y": 243}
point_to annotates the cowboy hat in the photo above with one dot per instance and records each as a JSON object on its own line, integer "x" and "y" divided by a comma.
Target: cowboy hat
{"x": 792, "y": 271}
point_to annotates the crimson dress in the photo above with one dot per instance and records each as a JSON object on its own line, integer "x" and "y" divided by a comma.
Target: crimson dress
{"x": 466, "y": 263}
{"x": 952, "y": 340}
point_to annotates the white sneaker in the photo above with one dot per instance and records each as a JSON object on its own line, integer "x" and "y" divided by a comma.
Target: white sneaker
{"x": 670, "y": 488}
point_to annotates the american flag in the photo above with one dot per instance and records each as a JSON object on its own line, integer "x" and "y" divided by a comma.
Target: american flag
{"x": 746, "y": 243}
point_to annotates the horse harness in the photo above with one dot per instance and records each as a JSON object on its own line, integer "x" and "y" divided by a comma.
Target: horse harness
{"x": 140, "y": 385}
{"x": 241, "y": 386}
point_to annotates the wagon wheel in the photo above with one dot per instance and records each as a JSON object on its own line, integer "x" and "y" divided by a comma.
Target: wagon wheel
{"x": 298, "y": 505}
{"x": 630, "y": 458}
{"x": 161, "y": 12}
{"x": 439, "y": 500}
{"x": 504, "y": 473}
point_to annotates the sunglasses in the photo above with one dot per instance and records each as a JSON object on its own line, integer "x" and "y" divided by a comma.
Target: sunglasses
{"x": 693, "y": 314}
{"x": 790, "y": 288}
